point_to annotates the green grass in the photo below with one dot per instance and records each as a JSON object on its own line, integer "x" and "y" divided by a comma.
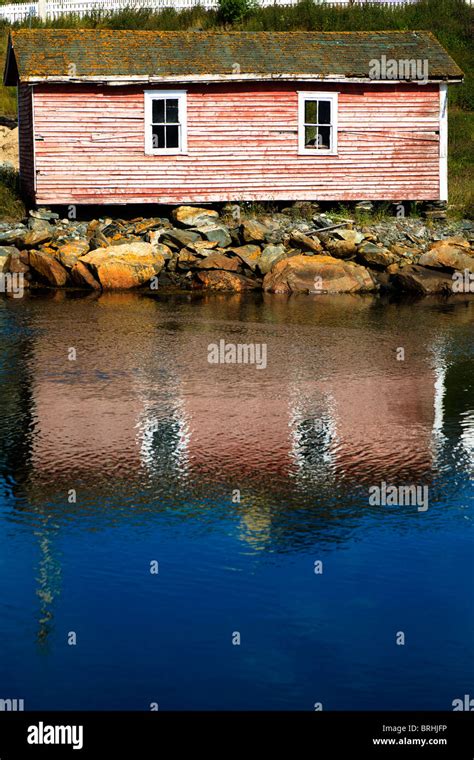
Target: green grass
{"x": 11, "y": 206}
{"x": 460, "y": 162}
{"x": 450, "y": 20}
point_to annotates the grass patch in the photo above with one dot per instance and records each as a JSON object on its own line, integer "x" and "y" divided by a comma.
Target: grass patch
{"x": 460, "y": 162}
{"x": 12, "y": 207}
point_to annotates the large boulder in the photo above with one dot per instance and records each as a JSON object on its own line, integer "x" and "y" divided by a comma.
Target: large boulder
{"x": 48, "y": 268}
{"x": 448, "y": 257}
{"x": 124, "y": 266}
{"x": 421, "y": 280}
{"x": 214, "y": 279}
{"x": 317, "y": 274}
{"x": 192, "y": 216}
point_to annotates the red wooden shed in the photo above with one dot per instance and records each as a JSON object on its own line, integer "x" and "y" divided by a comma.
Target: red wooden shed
{"x": 185, "y": 117}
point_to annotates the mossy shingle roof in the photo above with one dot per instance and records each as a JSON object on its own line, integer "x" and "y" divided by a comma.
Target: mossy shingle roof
{"x": 112, "y": 54}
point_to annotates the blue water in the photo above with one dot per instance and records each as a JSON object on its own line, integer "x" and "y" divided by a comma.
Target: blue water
{"x": 155, "y": 441}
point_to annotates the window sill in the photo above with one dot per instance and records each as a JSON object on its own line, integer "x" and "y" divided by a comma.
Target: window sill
{"x": 310, "y": 152}
{"x": 166, "y": 153}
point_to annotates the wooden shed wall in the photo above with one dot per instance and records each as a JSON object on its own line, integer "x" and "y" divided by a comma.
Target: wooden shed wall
{"x": 25, "y": 140}
{"x": 242, "y": 145}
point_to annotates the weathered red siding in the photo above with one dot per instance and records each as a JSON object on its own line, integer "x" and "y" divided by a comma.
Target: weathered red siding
{"x": 26, "y": 146}
{"x": 242, "y": 145}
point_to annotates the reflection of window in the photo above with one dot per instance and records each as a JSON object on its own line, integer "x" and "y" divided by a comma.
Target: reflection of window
{"x": 165, "y": 122}
{"x": 317, "y": 122}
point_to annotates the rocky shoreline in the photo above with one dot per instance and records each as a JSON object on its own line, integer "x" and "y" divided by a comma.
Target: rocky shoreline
{"x": 297, "y": 250}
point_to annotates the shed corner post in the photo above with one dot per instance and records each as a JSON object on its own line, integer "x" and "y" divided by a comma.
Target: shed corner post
{"x": 443, "y": 141}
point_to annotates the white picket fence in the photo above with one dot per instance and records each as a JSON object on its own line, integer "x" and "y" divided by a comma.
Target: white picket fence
{"x": 51, "y": 9}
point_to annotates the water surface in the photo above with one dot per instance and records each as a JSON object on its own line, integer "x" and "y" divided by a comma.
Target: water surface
{"x": 155, "y": 442}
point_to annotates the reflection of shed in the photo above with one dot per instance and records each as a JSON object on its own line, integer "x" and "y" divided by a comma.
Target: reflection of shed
{"x": 218, "y": 116}
{"x": 143, "y": 399}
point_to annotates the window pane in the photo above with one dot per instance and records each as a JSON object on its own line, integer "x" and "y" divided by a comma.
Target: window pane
{"x": 310, "y": 137}
{"x": 172, "y": 137}
{"x": 324, "y": 137}
{"x": 171, "y": 111}
{"x": 158, "y": 137}
{"x": 158, "y": 113}
{"x": 324, "y": 112}
{"x": 311, "y": 111}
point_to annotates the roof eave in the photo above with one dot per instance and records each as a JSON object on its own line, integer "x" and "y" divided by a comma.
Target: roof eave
{"x": 203, "y": 78}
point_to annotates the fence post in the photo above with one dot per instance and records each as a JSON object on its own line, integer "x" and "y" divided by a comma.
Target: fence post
{"x": 42, "y": 10}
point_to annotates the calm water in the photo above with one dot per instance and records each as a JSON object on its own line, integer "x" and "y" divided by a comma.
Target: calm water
{"x": 155, "y": 441}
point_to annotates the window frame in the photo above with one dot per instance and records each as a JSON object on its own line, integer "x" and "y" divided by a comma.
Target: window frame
{"x": 181, "y": 97}
{"x": 332, "y": 97}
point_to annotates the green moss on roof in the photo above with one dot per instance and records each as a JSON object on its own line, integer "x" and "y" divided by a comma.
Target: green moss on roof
{"x": 111, "y": 53}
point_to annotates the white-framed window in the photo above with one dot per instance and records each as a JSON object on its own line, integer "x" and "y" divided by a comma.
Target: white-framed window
{"x": 317, "y": 123}
{"x": 165, "y": 122}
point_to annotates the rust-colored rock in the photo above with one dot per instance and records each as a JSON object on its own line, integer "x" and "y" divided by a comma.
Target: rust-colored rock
{"x": 253, "y": 231}
{"x": 125, "y": 266}
{"x": 421, "y": 280}
{"x": 193, "y": 216}
{"x": 83, "y": 277}
{"x": 203, "y": 247}
{"x": 69, "y": 253}
{"x": 35, "y": 237}
{"x": 448, "y": 257}
{"x": 457, "y": 241}
{"x": 15, "y": 265}
{"x": 48, "y": 268}
{"x": 249, "y": 254}
{"x": 219, "y": 261}
{"x": 341, "y": 249}
{"x": 187, "y": 259}
{"x": 215, "y": 279}
{"x": 317, "y": 274}
{"x": 306, "y": 243}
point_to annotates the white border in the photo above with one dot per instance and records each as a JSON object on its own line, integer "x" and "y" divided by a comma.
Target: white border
{"x": 443, "y": 142}
{"x": 333, "y": 98}
{"x": 181, "y": 96}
